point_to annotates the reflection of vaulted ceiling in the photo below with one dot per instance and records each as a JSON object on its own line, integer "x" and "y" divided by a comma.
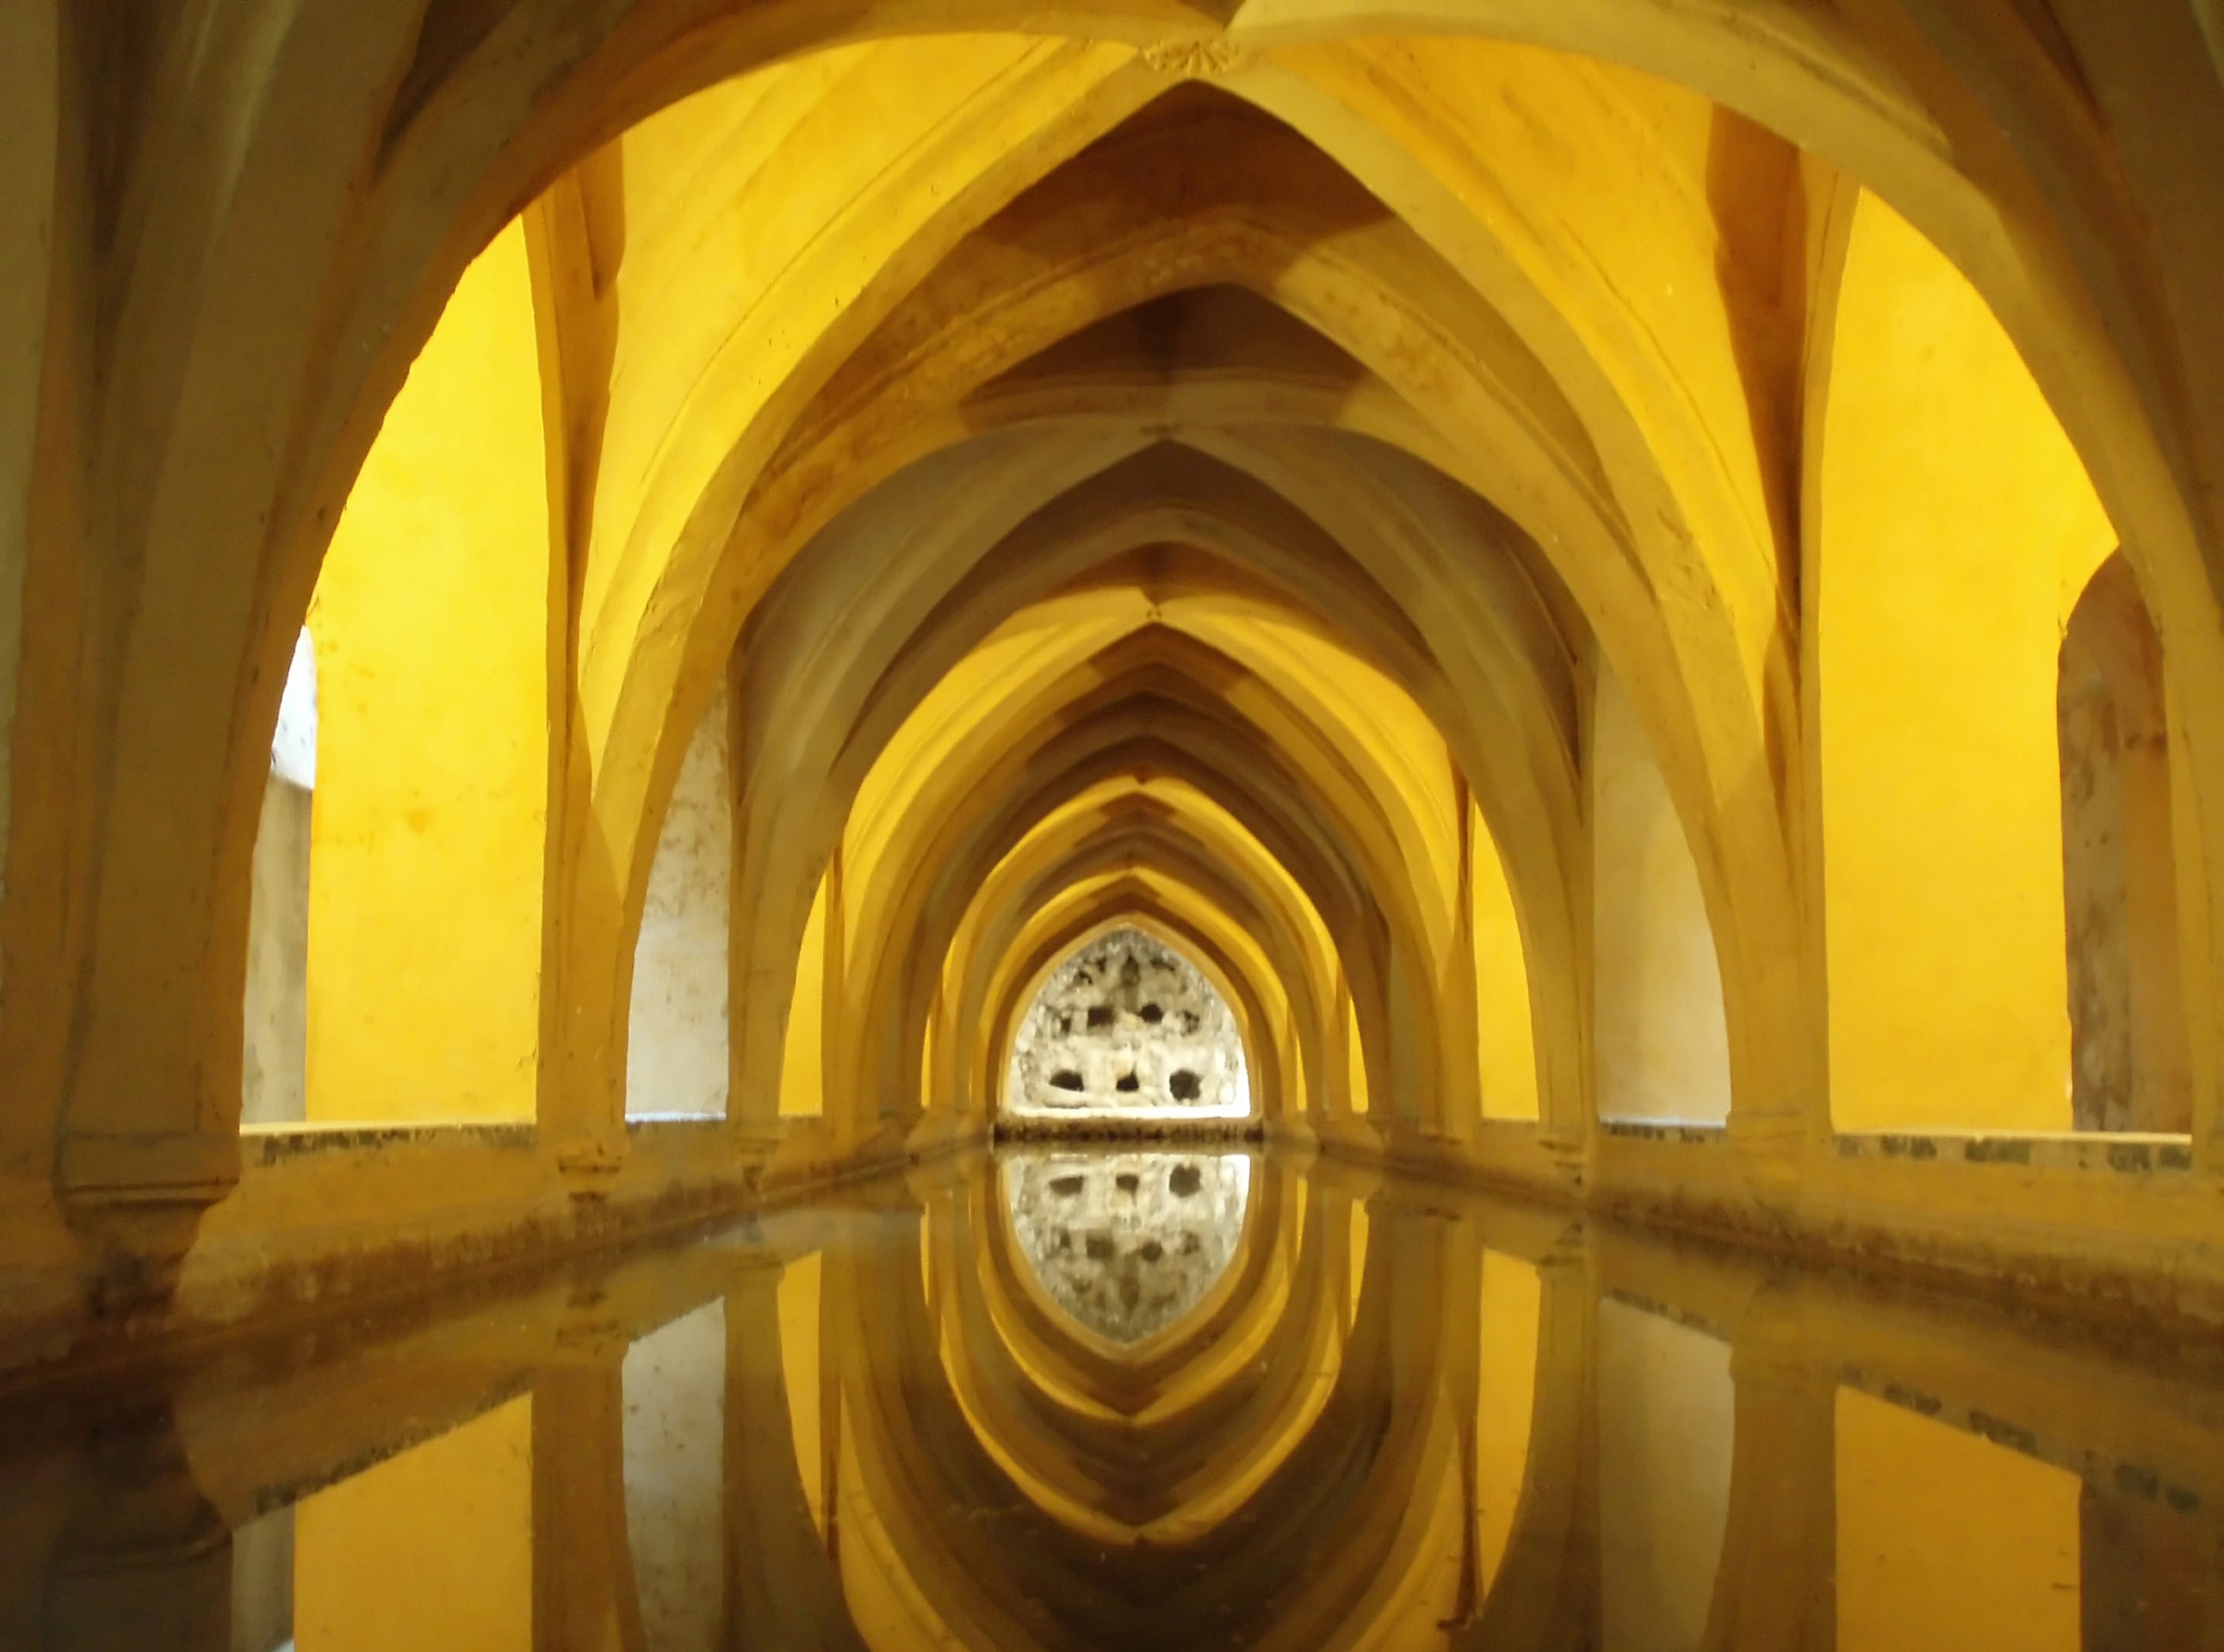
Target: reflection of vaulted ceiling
{"x": 1271, "y": 1461}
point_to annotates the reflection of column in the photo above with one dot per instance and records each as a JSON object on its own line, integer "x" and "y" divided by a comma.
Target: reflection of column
{"x": 1776, "y": 1589}
{"x": 1459, "y": 1348}
{"x": 583, "y": 1588}
{"x": 2152, "y": 1572}
{"x": 143, "y": 1561}
{"x": 1545, "y": 1594}
{"x": 782, "y": 1588}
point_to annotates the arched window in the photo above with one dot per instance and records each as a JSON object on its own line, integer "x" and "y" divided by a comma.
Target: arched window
{"x": 1128, "y": 1026}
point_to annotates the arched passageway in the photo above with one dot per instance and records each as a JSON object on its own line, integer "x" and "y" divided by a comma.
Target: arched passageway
{"x": 1636, "y": 593}
{"x": 691, "y": 618}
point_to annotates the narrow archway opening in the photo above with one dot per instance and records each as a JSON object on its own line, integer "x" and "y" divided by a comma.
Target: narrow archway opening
{"x": 2130, "y": 1067}
{"x": 1128, "y": 1029}
{"x": 676, "y": 1044}
{"x": 275, "y": 1048}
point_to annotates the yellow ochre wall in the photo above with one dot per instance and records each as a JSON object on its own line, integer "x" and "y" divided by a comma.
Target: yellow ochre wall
{"x": 1354, "y": 1055}
{"x": 433, "y": 1548}
{"x": 1955, "y": 514}
{"x": 430, "y": 626}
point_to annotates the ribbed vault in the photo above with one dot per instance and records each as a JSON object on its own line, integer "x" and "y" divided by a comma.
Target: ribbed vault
{"x": 1638, "y": 584}
{"x": 1229, "y": 469}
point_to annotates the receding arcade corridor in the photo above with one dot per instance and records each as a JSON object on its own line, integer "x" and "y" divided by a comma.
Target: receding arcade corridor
{"x": 1160, "y": 824}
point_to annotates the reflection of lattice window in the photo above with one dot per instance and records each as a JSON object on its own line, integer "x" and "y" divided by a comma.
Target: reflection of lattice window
{"x": 1127, "y": 1246}
{"x": 1128, "y": 1024}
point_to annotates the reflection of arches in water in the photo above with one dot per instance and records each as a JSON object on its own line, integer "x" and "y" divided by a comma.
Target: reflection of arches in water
{"x": 1128, "y": 1022}
{"x": 1863, "y": 1451}
{"x": 1128, "y": 1243}
{"x": 1064, "y": 1415}
{"x": 1355, "y": 1518}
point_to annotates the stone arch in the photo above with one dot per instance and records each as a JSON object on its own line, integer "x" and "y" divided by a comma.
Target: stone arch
{"x": 1042, "y": 564}
{"x": 482, "y": 116}
{"x": 1180, "y": 906}
{"x": 1374, "y": 894}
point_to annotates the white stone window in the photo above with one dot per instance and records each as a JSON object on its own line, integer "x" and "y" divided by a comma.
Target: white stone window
{"x": 1128, "y": 1027}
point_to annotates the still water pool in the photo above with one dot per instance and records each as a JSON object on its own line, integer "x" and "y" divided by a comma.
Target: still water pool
{"x": 1136, "y": 1400}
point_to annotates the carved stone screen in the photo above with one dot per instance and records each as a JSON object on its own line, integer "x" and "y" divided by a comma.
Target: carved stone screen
{"x": 1126, "y": 1025}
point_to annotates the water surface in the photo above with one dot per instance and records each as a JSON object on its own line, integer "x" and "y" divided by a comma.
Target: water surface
{"x": 1370, "y": 1414}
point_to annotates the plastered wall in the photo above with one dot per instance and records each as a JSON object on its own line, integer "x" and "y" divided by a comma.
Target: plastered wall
{"x": 1662, "y": 1048}
{"x": 1955, "y": 519}
{"x": 803, "y": 1067}
{"x": 676, "y": 1056}
{"x": 274, "y": 1051}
